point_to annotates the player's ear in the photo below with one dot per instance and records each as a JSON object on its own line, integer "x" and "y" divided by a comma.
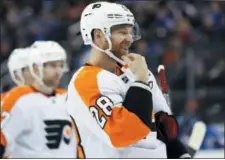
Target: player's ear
{"x": 97, "y": 34}
{"x": 98, "y": 37}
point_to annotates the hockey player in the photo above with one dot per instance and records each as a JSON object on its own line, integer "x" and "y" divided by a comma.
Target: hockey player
{"x": 34, "y": 122}
{"x": 18, "y": 67}
{"x": 113, "y": 98}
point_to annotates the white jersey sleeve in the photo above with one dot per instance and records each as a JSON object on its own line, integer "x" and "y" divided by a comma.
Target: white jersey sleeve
{"x": 14, "y": 124}
{"x": 13, "y": 119}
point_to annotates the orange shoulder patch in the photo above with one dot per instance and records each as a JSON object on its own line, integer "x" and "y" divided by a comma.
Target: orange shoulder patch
{"x": 86, "y": 84}
{"x": 13, "y": 96}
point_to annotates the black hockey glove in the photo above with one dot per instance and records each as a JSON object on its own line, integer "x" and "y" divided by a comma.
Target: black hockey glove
{"x": 167, "y": 126}
{"x": 167, "y": 131}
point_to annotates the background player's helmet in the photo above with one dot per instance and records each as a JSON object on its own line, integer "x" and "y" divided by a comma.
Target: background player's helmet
{"x": 103, "y": 16}
{"x": 18, "y": 60}
{"x": 43, "y": 52}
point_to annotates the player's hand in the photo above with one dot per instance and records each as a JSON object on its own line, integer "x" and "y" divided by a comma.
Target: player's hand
{"x": 137, "y": 65}
{"x": 166, "y": 125}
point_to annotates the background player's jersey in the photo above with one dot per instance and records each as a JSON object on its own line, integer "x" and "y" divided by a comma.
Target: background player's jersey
{"x": 34, "y": 125}
{"x": 96, "y": 95}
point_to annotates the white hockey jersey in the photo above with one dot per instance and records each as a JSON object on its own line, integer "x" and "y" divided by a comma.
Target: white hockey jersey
{"x": 96, "y": 95}
{"x": 34, "y": 125}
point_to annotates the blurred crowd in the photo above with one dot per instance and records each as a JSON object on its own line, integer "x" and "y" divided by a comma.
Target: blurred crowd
{"x": 188, "y": 37}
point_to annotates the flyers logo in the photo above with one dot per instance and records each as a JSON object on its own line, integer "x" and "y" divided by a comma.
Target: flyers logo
{"x": 57, "y": 131}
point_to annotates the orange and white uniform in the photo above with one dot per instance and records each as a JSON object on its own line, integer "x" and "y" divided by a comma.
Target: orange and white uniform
{"x": 34, "y": 125}
{"x": 106, "y": 127}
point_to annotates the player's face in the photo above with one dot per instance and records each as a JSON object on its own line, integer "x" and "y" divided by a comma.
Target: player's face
{"x": 121, "y": 37}
{"x": 52, "y": 73}
{"x": 28, "y": 78}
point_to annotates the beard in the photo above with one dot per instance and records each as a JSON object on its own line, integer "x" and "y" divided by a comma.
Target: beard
{"x": 119, "y": 52}
{"x": 52, "y": 83}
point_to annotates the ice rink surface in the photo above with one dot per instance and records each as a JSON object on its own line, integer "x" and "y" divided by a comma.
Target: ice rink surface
{"x": 210, "y": 154}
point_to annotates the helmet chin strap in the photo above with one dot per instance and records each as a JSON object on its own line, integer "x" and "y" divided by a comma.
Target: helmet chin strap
{"x": 108, "y": 52}
{"x": 125, "y": 69}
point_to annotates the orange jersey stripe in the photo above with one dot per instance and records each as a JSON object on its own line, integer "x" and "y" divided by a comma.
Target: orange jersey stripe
{"x": 13, "y": 96}
{"x": 153, "y": 116}
{"x": 123, "y": 127}
{"x": 80, "y": 150}
{"x": 60, "y": 91}
{"x": 3, "y": 140}
{"x": 3, "y": 95}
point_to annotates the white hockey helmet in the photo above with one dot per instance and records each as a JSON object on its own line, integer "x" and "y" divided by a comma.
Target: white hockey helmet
{"x": 43, "y": 52}
{"x": 103, "y": 16}
{"x": 18, "y": 60}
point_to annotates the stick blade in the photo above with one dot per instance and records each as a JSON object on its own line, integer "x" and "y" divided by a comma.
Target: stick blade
{"x": 197, "y": 136}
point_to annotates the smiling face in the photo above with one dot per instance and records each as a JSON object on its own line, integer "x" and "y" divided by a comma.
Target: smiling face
{"x": 121, "y": 37}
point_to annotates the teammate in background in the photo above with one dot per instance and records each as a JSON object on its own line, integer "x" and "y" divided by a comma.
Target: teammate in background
{"x": 18, "y": 68}
{"x": 113, "y": 98}
{"x": 34, "y": 121}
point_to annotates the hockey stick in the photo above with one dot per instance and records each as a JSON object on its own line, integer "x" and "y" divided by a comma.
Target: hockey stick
{"x": 196, "y": 138}
{"x": 163, "y": 83}
{"x": 199, "y": 129}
